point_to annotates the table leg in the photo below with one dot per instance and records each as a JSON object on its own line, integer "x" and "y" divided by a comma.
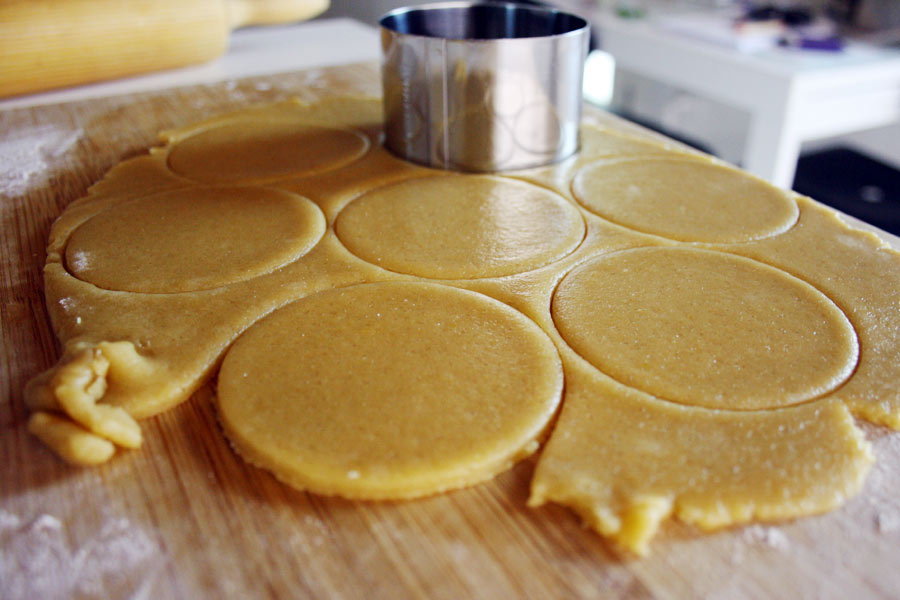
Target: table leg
{"x": 772, "y": 147}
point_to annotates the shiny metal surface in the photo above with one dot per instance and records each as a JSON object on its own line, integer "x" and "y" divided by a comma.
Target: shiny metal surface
{"x": 482, "y": 86}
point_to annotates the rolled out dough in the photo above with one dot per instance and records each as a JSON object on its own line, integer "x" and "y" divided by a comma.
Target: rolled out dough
{"x": 389, "y": 390}
{"x": 193, "y": 239}
{"x": 705, "y": 328}
{"x": 684, "y": 199}
{"x": 460, "y": 226}
{"x": 402, "y": 331}
{"x": 256, "y": 150}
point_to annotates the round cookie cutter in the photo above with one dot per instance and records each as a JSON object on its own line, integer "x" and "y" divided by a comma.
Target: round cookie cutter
{"x": 482, "y": 86}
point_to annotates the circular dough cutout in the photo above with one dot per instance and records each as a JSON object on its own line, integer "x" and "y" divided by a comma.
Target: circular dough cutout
{"x": 389, "y": 390}
{"x": 684, "y": 199}
{"x": 258, "y": 150}
{"x": 705, "y": 328}
{"x": 460, "y": 227}
{"x": 193, "y": 239}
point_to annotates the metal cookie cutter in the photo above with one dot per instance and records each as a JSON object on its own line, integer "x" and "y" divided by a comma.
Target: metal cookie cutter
{"x": 482, "y": 86}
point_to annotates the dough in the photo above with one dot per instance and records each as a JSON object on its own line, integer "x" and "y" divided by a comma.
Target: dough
{"x": 256, "y": 150}
{"x": 626, "y": 461}
{"x": 684, "y": 199}
{"x": 404, "y": 389}
{"x": 460, "y": 226}
{"x": 716, "y": 336}
{"x": 193, "y": 239}
{"x": 705, "y": 328}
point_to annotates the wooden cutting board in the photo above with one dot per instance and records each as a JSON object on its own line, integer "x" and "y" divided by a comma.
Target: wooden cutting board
{"x": 184, "y": 517}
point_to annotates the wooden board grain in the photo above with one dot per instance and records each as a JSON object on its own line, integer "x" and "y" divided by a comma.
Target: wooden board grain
{"x": 184, "y": 517}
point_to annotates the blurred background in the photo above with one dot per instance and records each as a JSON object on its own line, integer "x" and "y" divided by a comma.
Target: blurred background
{"x": 832, "y": 67}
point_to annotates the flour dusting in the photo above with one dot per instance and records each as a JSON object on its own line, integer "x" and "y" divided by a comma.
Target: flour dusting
{"x": 887, "y": 522}
{"x": 119, "y": 550}
{"x": 38, "y": 561}
{"x": 8, "y": 520}
{"x": 67, "y": 304}
{"x": 758, "y": 536}
{"x": 80, "y": 261}
{"x": 314, "y": 78}
{"x": 770, "y": 536}
{"x": 880, "y": 502}
{"x": 27, "y": 154}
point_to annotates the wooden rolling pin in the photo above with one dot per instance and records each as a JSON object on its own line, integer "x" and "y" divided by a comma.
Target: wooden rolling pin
{"x": 47, "y": 44}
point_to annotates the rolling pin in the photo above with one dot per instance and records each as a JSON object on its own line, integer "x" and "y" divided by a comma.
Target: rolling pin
{"x": 47, "y": 44}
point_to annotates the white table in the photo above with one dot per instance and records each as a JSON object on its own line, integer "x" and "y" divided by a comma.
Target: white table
{"x": 792, "y": 95}
{"x": 252, "y": 51}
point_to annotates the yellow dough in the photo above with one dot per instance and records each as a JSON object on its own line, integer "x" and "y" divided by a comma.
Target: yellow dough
{"x": 256, "y": 150}
{"x": 626, "y": 462}
{"x": 705, "y": 328}
{"x": 193, "y": 239}
{"x": 404, "y": 389}
{"x": 72, "y": 443}
{"x": 699, "y": 341}
{"x": 460, "y": 226}
{"x": 684, "y": 199}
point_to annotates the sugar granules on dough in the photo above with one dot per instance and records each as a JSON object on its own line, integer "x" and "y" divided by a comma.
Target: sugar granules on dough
{"x": 27, "y": 154}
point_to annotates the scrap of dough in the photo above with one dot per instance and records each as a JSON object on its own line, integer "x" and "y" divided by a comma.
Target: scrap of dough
{"x": 389, "y": 390}
{"x": 193, "y": 239}
{"x": 460, "y": 226}
{"x": 75, "y": 389}
{"x": 74, "y": 444}
{"x": 625, "y": 462}
{"x": 705, "y": 328}
{"x": 684, "y": 199}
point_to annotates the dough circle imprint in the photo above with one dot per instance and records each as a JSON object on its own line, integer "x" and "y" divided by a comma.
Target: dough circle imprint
{"x": 193, "y": 239}
{"x": 389, "y": 390}
{"x": 259, "y": 150}
{"x": 684, "y": 199}
{"x": 460, "y": 227}
{"x": 705, "y": 328}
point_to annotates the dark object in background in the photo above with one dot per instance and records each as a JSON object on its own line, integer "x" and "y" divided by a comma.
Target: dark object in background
{"x": 797, "y": 17}
{"x": 854, "y": 184}
{"x": 792, "y": 16}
